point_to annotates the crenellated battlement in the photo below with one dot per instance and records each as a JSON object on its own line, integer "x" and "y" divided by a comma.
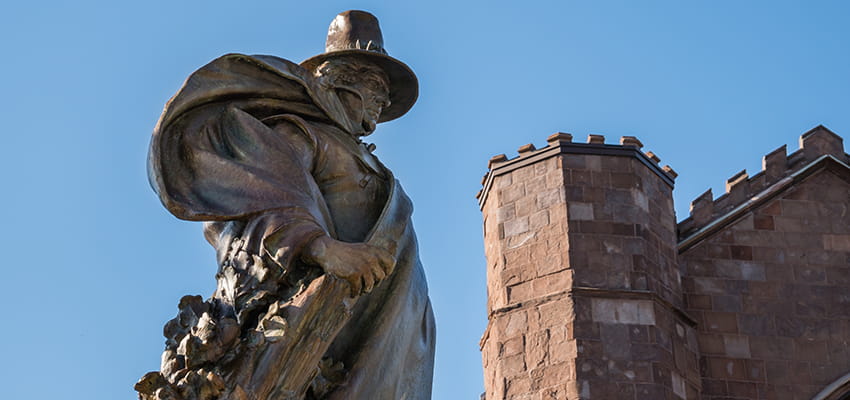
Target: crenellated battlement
{"x": 777, "y": 166}
{"x": 562, "y": 143}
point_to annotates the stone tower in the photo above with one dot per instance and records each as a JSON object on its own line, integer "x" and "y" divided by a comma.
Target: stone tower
{"x": 585, "y": 297}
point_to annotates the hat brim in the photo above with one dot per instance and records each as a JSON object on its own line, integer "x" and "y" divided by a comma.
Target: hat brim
{"x": 404, "y": 87}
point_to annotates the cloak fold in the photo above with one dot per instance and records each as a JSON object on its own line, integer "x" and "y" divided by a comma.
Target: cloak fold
{"x": 204, "y": 151}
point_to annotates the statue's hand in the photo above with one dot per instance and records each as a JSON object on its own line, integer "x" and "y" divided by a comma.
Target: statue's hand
{"x": 360, "y": 264}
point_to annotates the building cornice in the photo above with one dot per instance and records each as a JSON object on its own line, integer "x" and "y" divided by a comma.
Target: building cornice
{"x": 561, "y": 143}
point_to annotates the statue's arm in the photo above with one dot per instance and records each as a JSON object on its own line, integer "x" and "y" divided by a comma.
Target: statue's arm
{"x": 293, "y": 232}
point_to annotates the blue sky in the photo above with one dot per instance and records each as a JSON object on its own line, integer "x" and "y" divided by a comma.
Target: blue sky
{"x": 93, "y": 265}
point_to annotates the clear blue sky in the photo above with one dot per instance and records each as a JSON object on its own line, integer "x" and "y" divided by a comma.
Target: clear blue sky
{"x": 92, "y": 264}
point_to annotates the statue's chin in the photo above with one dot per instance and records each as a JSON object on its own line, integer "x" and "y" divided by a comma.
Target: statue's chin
{"x": 368, "y": 126}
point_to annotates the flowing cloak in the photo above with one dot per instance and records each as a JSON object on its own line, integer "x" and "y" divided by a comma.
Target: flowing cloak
{"x": 253, "y": 146}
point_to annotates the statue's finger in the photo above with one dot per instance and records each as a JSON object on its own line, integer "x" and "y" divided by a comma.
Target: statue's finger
{"x": 378, "y": 271}
{"x": 370, "y": 282}
{"x": 379, "y": 274}
{"x": 355, "y": 286}
{"x": 387, "y": 262}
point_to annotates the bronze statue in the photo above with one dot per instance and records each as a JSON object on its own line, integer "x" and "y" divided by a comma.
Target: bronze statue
{"x": 321, "y": 294}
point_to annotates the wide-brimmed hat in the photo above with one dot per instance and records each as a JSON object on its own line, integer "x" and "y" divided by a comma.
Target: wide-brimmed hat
{"x": 357, "y": 34}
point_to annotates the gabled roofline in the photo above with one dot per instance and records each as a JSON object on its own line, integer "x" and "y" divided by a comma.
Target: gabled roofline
{"x": 822, "y": 162}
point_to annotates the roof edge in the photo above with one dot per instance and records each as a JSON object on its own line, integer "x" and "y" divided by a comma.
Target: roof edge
{"x": 760, "y": 198}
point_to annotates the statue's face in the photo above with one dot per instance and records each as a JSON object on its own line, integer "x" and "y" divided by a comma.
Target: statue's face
{"x": 363, "y": 89}
{"x": 376, "y": 97}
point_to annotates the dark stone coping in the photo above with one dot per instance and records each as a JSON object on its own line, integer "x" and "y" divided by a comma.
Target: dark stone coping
{"x": 823, "y": 162}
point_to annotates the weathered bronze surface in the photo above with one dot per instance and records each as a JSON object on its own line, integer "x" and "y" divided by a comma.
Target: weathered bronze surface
{"x": 320, "y": 294}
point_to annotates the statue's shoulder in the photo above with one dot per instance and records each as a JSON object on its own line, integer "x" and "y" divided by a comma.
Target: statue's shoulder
{"x": 248, "y": 79}
{"x": 260, "y": 63}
